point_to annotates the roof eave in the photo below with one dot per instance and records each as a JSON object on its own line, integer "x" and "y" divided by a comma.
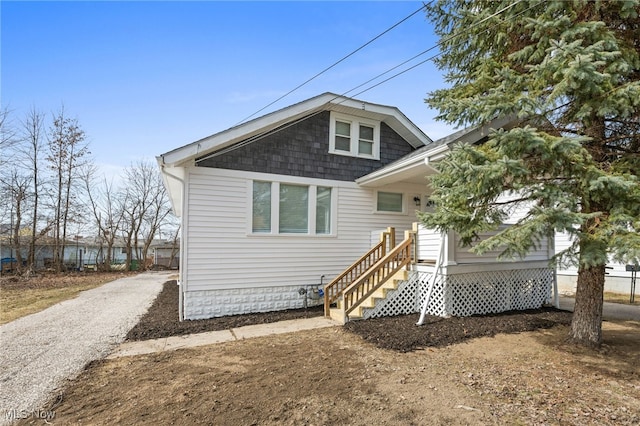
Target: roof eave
{"x": 327, "y": 101}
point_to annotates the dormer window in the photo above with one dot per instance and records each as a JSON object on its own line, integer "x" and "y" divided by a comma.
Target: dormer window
{"x": 353, "y": 136}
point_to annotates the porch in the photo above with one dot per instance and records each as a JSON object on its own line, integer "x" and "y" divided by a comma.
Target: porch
{"x": 430, "y": 273}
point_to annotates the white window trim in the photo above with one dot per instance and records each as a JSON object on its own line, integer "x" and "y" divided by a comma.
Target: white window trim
{"x": 355, "y": 135}
{"x": 404, "y": 204}
{"x": 275, "y": 210}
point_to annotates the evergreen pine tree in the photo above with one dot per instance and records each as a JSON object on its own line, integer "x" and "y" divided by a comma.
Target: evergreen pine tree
{"x": 569, "y": 72}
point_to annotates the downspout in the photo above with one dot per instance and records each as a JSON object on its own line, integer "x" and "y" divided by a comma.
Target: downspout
{"x": 182, "y": 253}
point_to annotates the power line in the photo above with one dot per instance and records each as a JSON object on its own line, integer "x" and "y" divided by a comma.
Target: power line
{"x": 336, "y": 63}
{"x": 344, "y": 95}
{"x": 451, "y": 37}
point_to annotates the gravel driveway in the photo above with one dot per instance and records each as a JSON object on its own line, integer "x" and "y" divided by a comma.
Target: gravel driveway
{"x": 40, "y": 351}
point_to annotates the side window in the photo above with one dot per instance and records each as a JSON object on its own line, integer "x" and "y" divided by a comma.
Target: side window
{"x": 261, "y": 206}
{"x": 323, "y": 210}
{"x": 392, "y": 202}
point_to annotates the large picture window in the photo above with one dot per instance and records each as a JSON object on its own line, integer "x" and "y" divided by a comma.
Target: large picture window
{"x": 284, "y": 208}
{"x": 353, "y": 136}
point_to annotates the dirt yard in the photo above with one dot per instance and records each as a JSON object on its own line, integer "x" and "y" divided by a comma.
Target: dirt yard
{"x": 349, "y": 376}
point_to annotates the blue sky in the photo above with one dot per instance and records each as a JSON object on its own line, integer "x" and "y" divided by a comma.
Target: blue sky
{"x": 144, "y": 77}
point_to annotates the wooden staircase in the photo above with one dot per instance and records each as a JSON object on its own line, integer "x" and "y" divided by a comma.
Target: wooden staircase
{"x": 360, "y": 287}
{"x": 338, "y": 314}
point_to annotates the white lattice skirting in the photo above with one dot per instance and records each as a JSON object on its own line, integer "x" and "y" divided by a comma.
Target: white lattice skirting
{"x": 468, "y": 294}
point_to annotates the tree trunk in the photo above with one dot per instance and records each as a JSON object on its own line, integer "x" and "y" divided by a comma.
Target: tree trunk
{"x": 586, "y": 324}
{"x": 16, "y": 230}
{"x": 107, "y": 258}
{"x": 58, "y": 216}
{"x": 34, "y": 226}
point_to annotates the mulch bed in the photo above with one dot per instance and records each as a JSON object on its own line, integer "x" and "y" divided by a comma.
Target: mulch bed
{"x": 162, "y": 319}
{"x": 401, "y": 334}
{"x": 398, "y": 333}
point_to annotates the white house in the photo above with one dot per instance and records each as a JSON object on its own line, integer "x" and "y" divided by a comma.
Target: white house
{"x": 618, "y": 279}
{"x": 280, "y": 208}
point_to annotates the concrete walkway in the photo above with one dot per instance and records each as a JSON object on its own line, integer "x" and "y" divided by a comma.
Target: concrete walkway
{"x": 39, "y": 352}
{"x": 208, "y": 338}
{"x": 610, "y": 311}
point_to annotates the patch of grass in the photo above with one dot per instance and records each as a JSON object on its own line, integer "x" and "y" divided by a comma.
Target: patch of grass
{"x": 21, "y": 301}
{"x": 620, "y": 298}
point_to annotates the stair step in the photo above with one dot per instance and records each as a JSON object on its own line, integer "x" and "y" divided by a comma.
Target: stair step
{"x": 337, "y": 313}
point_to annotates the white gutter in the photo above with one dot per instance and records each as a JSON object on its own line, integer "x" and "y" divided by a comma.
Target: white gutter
{"x": 437, "y": 154}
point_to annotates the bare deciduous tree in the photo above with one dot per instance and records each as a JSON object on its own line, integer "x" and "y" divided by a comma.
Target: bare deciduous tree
{"x": 106, "y": 211}
{"x": 31, "y": 157}
{"x": 15, "y": 190}
{"x": 67, "y": 152}
{"x": 146, "y": 207}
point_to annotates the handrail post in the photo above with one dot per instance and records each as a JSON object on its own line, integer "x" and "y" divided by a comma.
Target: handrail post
{"x": 416, "y": 230}
{"x": 326, "y": 304}
{"x": 392, "y": 237}
{"x": 408, "y": 235}
{"x": 383, "y": 240}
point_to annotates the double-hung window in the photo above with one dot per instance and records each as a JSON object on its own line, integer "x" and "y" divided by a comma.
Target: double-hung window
{"x": 286, "y": 208}
{"x": 356, "y": 137}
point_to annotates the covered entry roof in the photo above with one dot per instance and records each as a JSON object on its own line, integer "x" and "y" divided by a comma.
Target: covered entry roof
{"x": 416, "y": 166}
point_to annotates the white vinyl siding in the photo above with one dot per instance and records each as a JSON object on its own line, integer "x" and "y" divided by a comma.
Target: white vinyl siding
{"x": 465, "y": 255}
{"x": 221, "y": 252}
{"x": 563, "y": 241}
{"x": 428, "y": 246}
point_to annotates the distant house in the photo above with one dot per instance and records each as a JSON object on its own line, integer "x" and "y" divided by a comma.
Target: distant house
{"x": 317, "y": 202}
{"x": 166, "y": 254}
{"x": 94, "y": 252}
{"x": 618, "y": 277}
{"x": 43, "y": 251}
{"x": 79, "y": 253}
